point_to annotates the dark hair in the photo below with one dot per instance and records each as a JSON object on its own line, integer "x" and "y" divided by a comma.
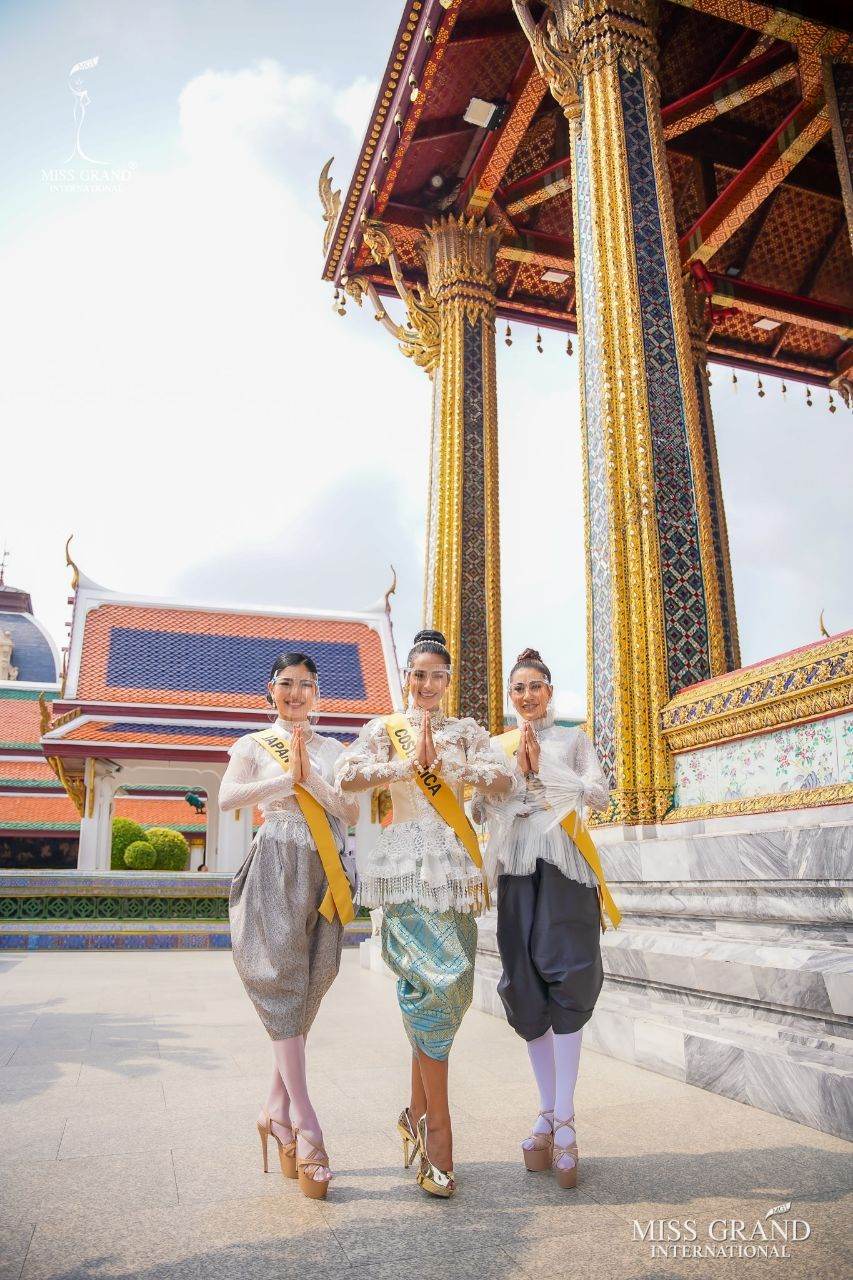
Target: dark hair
{"x": 531, "y": 658}
{"x": 429, "y": 642}
{"x": 291, "y": 659}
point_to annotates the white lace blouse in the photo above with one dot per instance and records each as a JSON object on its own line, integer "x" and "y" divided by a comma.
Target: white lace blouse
{"x": 253, "y": 777}
{"x": 525, "y": 825}
{"x": 419, "y": 858}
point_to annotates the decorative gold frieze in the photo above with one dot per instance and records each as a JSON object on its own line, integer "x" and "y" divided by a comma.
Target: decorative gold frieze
{"x": 781, "y": 801}
{"x": 804, "y": 685}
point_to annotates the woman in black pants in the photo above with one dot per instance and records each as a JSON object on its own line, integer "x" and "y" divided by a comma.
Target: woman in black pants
{"x": 551, "y": 904}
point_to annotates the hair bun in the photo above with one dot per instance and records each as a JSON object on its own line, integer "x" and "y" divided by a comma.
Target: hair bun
{"x": 526, "y": 655}
{"x": 435, "y": 636}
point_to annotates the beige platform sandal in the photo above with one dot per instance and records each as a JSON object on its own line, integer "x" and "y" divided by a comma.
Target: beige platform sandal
{"x": 308, "y": 1184}
{"x": 286, "y": 1150}
{"x": 538, "y": 1157}
{"x": 566, "y": 1178}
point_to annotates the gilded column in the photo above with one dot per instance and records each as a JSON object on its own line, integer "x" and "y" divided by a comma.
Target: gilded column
{"x": 653, "y": 580}
{"x": 462, "y": 595}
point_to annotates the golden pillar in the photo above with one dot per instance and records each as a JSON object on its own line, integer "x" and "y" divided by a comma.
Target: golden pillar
{"x": 653, "y": 578}
{"x": 462, "y": 590}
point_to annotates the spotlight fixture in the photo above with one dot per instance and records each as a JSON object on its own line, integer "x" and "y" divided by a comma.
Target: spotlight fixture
{"x": 766, "y": 324}
{"x": 555, "y": 277}
{"x": 436, "y": 181}
{"x": 485, "y": 115}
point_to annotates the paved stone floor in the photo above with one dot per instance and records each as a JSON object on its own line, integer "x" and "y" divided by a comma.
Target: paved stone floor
{"x": 129, "y": 1086}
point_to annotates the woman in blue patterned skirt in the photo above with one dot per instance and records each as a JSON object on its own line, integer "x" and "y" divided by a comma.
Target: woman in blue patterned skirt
{"x": 425, "y": 873}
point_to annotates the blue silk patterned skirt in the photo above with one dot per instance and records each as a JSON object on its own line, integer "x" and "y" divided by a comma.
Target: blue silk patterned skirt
{"x": 432, "y": 955}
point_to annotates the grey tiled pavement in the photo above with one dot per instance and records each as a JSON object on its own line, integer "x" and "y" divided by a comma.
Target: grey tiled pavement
{"x": 129, "y": 1085}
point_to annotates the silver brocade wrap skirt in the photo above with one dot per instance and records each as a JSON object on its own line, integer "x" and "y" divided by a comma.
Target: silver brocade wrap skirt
{"x": 286, "y": 953}
{"x": 432, "y": 955}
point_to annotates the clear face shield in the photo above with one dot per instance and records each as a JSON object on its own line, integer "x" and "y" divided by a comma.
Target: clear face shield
{"x": 426, "y": 681}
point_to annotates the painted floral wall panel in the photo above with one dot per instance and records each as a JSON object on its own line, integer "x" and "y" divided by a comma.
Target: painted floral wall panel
{"x": 799, "y": 758}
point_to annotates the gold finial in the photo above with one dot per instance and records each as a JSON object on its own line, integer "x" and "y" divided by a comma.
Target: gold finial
{"x": 391, "y": 590}
{"x": 75, "y": 572}
{"x": 822, "y": 625}
{"x": 45, "y": 714}
{"x": 331, "y": 202}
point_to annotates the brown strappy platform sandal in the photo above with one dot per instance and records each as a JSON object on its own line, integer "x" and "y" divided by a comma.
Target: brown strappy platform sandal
{"x": 566, "y": 1178}
{"x": 308, "y": 1184}
{"x": 286, "y": 1150}
{"x": 538, "y": 1157}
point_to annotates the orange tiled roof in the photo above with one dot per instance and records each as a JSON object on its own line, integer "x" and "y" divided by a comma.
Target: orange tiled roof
{"x": 39, "y": 812}
{"x": 159, "y": 655}
{"x": 19, "y": 719}
{"x": 33, "y": 770}
{"x": 147, "y": 732}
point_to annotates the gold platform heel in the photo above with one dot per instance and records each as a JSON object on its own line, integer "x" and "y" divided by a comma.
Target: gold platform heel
{"x": 566, "y": 1178}
{"x": 435, "y": 1181}
{"x": 286, "y": 1150}
{"x": 539, "y": 1157}
{"x": 409, "y": 1136}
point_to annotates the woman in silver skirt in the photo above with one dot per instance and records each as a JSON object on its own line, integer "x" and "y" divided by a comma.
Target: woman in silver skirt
{"x": 286, "y": 925}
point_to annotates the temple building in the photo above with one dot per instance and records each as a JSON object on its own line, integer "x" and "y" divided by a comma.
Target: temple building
{"x": 139, "y": 720}
{"x": 672, "y": 183}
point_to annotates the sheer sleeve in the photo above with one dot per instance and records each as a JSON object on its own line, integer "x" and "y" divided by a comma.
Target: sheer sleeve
{"x": 241, "y": 786}
{"x": 367, "y": 763}
{"x": 338, "y": 805}
{"x": 596, "y": 792}
{"x": 485, "y": 767}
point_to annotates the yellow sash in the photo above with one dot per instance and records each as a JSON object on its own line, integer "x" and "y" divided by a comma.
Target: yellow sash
{"x": 437, "y": 792}
{"x": 337, "y": 897}
{"x": 577, "y": 831}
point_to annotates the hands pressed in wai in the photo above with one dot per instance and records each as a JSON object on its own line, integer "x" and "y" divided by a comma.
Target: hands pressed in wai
{"x": 300, "y": 764}
{"x": 426, "y": 755}
{"x": 528, "y": 750}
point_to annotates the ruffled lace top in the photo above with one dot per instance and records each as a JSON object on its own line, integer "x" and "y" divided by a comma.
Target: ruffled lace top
{"x": 419, "y": 858}
{"x": 525, "y": 825}
{"x": 253, "y": 777}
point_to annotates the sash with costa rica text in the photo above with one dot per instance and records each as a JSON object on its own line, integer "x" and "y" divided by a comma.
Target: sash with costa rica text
{"x": 337, "y": 898}
{"x": 577, "y": 831}
{"x": 437, "y": 792}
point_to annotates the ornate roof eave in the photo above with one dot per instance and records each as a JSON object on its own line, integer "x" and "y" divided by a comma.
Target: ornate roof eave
{"x": 398, "y": 102}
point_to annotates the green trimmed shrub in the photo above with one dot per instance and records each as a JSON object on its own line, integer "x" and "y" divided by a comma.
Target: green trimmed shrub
{"x": 140, "y": 856}
{"x": 172, "y": 849}
{"x": 125, "y": 832}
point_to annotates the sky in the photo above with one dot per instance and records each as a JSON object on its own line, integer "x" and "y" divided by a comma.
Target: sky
{"x": 179, "y": 394}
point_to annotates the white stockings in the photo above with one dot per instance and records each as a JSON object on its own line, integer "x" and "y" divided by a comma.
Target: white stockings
{"x": 555, "y": 1060}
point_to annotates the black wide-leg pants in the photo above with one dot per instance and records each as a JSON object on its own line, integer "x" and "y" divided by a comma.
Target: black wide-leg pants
{"x": 549, "y": 942}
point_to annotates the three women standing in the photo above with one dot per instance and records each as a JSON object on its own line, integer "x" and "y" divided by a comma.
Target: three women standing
{"x": 551, "y": 903}
{"x": 289, "y": 902}
{"x": 425, "y": 871}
